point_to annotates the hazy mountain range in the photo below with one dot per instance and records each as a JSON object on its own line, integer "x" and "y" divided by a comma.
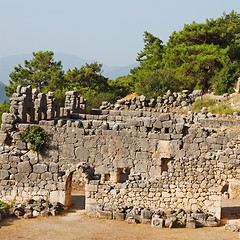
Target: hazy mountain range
{"x": 69, "y": 61}
{"x": 7, "y": 65}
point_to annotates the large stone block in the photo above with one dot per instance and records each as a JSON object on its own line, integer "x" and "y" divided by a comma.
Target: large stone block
{"x": 40, "y": 168}
{"x": 24, "y": 167}
{"x": 4, "y": 174}
{"x": 105, "y": 214}
{"x": 191, "y": 223}
{"x": 82, "y": 154}
{"x": 157, "y": 222}
{"x": 57, "y": 196}
{"x": 91, "y": 210}
{"x": 8, "y": 118}
{"x": 53, "y": 167}
{"x": 119, "y": 216}
{"x": 164, "y": 117}
{"x": 20, "y": 177}
{"x": 146, "y": 214}
{"x": 3, "y": 137}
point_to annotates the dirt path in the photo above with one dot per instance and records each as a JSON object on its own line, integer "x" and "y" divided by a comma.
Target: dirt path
{"x": 76, "y": 225}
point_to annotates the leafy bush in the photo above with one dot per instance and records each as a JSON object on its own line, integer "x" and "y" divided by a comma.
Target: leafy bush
{"x": 3, "y": 205}
{"x": 36, "y": 136}
{"x": 225, "y": 79}
{"x": 4, "y": 107}
{"x": 156, "y": 83}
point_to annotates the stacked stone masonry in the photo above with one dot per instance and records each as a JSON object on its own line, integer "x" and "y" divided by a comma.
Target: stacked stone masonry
{"x": 128, "y": 159}
{"x": 161, "y": 103}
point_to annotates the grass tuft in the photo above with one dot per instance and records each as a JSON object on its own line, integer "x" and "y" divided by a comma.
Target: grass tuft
{"x": 198, "y": 105}
{"x": 213, "y": 107}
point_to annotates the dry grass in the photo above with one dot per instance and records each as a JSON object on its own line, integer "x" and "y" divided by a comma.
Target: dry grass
{"x": 130, "y": 96}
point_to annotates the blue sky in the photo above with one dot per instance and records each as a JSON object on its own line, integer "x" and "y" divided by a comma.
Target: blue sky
{"x": 109, "y": 31}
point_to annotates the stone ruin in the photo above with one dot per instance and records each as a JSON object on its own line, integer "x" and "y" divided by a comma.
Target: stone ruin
{"x": 161, "y": 103}
{"x": 29, "y": 106}
{"x": 142, "y": 166}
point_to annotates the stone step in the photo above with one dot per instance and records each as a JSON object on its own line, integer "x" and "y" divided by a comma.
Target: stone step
{"x": 230, "y": 221}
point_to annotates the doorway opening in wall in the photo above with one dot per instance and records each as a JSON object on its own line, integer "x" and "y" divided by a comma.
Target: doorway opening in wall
{"x": 75, "y": 194}
{"x": 78, "y": 195}
{"x": 230, "y": 205}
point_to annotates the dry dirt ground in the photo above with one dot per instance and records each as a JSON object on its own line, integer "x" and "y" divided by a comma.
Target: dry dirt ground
{"x": 74, "y": 224}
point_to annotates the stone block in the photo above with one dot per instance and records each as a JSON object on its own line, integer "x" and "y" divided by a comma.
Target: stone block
{"x": 164, "y": 117}
{"x": 210, "y": 224}
{"x": 24, "y": 167}
{"x": 146, "y": 214}
{"x": 105, "y": 214}
{"x": 3, "y": 138}
{"x": 167, "y": 124}
{"x": 40, "y": 168}
{"x": 131, "y": 220}
{"x": 4, "y": 174}
{"x": 158, "y": 124}
{"x": 146, "y": 221}
{"x": 20, "y": 144}
{"x": 91, "y": 187}
{"x": 57, "y": 196}
{"x": 179, "y": 128}
{"x": 170, "y": 221}
{"x": 119, "y": 216}
{"x": 157, "y": 222}
{"x": 191, "y": 223}
{"x": 20, "y": 177}
{"x": 82, "y": 154}
{"x": 46, "y": 176}
{"x": 8, "y": 118}
{"x": 53, "y": 167}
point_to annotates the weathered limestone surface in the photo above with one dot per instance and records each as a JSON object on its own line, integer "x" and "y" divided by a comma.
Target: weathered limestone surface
{"x": 142, "y": 159}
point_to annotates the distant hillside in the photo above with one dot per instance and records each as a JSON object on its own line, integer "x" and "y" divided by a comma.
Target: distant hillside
{"x": 115, "y": 72}
{"x": 7, "y": 65}
{"x": 2, "y": 93}
{"x": 69, "y": 61}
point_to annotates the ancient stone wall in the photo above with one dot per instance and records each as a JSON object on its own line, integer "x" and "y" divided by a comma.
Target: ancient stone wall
{"x": 130, "y": 158}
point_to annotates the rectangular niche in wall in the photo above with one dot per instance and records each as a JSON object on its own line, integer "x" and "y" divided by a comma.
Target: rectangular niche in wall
{"x": 107, "y": 177}
{"x": 122, "y": 174}
{"x": 164, "y": 164}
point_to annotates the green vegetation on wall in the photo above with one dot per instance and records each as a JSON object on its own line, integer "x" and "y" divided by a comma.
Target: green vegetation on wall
{"x": 36, "y": 136}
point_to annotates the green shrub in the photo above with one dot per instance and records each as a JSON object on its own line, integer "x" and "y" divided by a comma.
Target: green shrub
{"x": 3, "y": 205}
{"x": 4, "y": 107}
{"x": 36, "y": 136}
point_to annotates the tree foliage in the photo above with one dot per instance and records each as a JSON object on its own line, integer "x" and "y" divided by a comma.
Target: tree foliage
{"x": 45, "y": 74}
{"x": 4, "y": 107}
{"x": 201, "y": 56}
{"x": 41, "y": 72}
{"x": 88, "y": 76}
{"x": 156, "y": 83}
